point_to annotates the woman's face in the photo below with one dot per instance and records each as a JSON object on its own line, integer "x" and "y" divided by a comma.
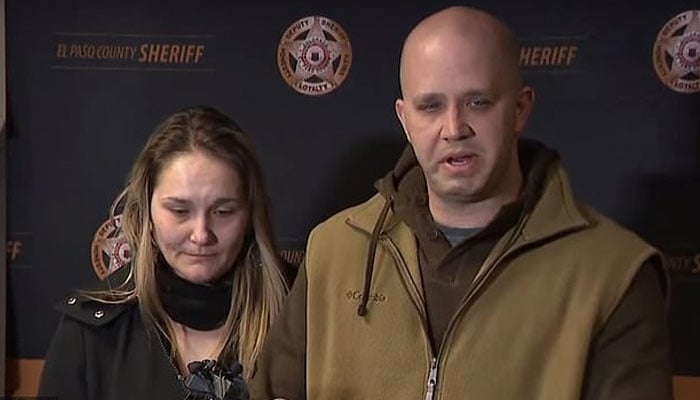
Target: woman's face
{"x": 200, "y": 216}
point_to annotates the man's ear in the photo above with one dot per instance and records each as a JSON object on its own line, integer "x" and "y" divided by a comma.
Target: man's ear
{"x": 399, "y": 108}
{"x": 523, "y": 106}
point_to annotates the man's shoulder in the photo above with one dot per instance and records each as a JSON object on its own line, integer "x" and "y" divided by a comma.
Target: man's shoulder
{"x": 363, "y": 214}
{"x": 605, "y": 227}
{"x": 608, "y": 242}
{"x": 348, "y": 229}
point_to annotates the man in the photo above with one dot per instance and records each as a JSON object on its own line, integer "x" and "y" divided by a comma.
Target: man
{"x": 473, "y": 273}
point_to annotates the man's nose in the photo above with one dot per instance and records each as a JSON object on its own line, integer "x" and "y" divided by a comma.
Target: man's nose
{"x": 456, "y": 125}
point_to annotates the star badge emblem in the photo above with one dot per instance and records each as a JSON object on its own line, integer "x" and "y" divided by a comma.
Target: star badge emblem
{"x": 314, "y": 55}
{"x": 110, "y": 249}
{"x": 677, "y": 52}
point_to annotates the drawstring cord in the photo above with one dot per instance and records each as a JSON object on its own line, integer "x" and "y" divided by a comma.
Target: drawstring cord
{"x": 369, "y": 269}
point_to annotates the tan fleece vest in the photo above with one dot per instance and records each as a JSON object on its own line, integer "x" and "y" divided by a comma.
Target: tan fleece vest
{"x": 524, "y": 333}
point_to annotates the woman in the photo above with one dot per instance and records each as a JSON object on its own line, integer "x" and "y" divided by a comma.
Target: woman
{"x": 204, "y": 284}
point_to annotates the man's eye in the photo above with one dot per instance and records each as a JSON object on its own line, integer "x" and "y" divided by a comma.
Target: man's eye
{"x": 479, "y": 102}
{"x": 429, "y": 107}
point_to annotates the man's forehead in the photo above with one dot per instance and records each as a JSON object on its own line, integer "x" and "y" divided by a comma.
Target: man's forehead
{"x": 455, "y": 65}
{"x": 470, "y": 35}
{"x": 474, "y": 71}
{"x": 453, "y": 48}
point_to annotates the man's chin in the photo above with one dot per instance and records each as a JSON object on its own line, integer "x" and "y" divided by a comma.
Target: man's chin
{"x": 457, "y": 192}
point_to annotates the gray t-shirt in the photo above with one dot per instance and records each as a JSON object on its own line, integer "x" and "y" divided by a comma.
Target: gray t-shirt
{"x": 457, "y": 235}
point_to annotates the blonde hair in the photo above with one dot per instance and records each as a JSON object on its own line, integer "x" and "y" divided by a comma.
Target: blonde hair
{"x": 258, "y": 283}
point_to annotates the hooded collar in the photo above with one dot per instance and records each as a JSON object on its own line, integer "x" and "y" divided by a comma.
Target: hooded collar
{"x": 547, "y": 206}
{"x": 547, "y": 198}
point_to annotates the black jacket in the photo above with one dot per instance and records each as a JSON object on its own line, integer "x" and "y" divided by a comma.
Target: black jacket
{"x": 106, "y": 352}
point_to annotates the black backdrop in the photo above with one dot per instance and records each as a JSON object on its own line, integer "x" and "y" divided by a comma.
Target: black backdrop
{"x": 77, "y": 121}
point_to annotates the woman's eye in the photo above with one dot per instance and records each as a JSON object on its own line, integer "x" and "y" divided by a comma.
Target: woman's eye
{"x": 223, "y": 211}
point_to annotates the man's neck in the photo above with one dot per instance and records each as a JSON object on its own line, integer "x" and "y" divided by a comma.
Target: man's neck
{"x": 467, "y": 215}
{"x": 470, "y": 213}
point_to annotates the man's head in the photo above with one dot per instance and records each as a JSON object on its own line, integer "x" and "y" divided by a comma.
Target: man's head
{"x": 463, "y": 104}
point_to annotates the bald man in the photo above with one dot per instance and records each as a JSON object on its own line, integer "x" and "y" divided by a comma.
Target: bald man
{"x": 473, "y": 273}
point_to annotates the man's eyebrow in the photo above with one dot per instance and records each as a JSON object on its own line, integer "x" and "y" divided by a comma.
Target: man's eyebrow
{"x": 427, "y": 98}
{"x": 432, "y": 97}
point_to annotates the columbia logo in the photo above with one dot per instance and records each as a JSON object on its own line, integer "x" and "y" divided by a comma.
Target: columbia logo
{"x": 357, "y": 295}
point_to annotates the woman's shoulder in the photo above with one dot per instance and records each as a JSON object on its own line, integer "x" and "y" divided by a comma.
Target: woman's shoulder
{"x": 91, "y": 311}
{"x": 92, "y": 306}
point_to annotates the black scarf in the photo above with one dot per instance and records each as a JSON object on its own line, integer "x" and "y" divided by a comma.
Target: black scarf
{"x": 200, "y": 307}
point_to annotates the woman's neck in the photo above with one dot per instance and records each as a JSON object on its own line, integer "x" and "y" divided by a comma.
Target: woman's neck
{"x": 196, "y": 345}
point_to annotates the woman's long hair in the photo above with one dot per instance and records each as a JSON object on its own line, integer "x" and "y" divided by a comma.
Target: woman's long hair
{"x": 258, "y": 282}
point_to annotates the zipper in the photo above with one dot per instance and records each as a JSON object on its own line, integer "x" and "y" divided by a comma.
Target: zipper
{"x": 414, "y": 293}
{"x": 432, "y": 380}
{"x": 178, "y": 376}
{"x": 506, "y": 251}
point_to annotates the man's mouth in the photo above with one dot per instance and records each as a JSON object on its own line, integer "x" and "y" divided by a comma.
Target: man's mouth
{"x": 459, "y": 161}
